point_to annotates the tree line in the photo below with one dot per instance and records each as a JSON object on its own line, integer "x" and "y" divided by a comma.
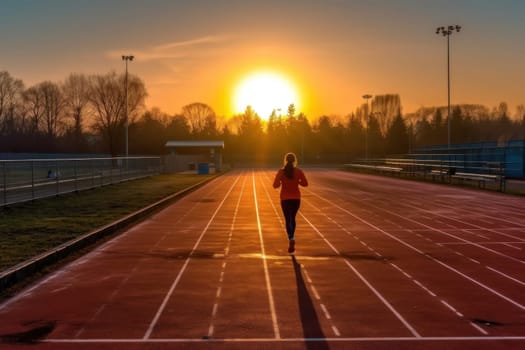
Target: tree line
{"x": 87, "y": 114}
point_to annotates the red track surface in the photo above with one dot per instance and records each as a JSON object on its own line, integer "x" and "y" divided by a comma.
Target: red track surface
{"x": 381, "y": 263}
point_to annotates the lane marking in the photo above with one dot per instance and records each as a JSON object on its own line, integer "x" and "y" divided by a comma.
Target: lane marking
{"x": 211, "y": 329}
{"x": 506, "y": 276}
{"x": 421, "y": 285}
{"x": 457, "y": 237}
{"x": 314, "y": 290}
{"x": 326, "y": 313}
{"x": 265, "y": 263}
{"x": 365, "y": 281}
{"x": 451, "y": 308}
{"x": 285, "y": 340}
{"x": 183, "y": 269}
{"x": 304, "y": 271}
{"x": 408, "y": 245}
{"x": 511, "y": 246}
{"x": 401, "y": 270}
{"x": 479, "y": 328}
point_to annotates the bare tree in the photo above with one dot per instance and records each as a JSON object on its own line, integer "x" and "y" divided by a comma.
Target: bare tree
{"x": 53, "y": 104}
{"x": 201, "y": 118}
{"x": 10, "y": 100}
{"x": 386, "y": 108}
{"x": 107, "y": 97}
{"x": 33, "y": 108}
{"x": 75, "y": 90}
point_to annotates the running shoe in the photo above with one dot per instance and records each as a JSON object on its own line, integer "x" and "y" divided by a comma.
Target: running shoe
{"x": 291, "y": 246}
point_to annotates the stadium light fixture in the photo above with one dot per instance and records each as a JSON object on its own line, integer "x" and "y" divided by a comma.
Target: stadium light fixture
{"x": 447, "y": 32}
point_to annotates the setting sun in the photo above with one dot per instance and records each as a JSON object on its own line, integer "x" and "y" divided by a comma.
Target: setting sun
{"x": 265, "y": 92}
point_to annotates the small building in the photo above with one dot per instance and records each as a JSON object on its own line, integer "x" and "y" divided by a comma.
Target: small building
{"x": 194, "y": 156}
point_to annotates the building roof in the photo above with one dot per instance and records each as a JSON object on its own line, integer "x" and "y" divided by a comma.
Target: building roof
{"x": 195, "y": 144}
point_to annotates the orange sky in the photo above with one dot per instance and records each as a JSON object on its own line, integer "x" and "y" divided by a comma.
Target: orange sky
{"x": 333, "y": 50}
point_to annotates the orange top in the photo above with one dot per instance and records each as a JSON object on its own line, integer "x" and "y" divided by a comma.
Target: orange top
{"x": 290, "y": 187}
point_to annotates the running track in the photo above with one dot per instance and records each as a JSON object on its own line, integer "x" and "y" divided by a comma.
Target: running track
{"x": 381, "y": 263}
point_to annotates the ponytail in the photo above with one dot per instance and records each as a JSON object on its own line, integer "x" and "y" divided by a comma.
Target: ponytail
{"x": 289, "y": 165}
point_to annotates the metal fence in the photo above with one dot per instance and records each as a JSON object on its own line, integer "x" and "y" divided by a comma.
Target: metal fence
{"x": 29, "y": 179}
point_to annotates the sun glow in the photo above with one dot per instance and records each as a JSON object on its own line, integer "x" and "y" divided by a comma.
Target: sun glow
{"x": 265, "y": 92}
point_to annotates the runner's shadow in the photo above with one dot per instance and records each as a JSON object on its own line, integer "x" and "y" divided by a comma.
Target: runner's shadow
{"x": 311, "y": 327}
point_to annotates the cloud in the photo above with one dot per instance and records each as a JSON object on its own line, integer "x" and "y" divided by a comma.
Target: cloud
{"x": 175, "y": 50}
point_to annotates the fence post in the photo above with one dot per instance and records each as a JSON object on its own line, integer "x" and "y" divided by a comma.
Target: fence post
{"x": 32, "y": 180}
{"x": 76, "y": 177}
{"x": 4, "y": 175}
{"x": 57, "y": 177}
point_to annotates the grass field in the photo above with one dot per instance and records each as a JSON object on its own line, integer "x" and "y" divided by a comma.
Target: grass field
{"x": 32, "y": 228}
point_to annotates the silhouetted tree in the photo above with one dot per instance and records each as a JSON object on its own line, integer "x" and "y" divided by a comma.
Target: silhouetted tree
{"x": 75, "y": 90}
{"x": 148, "y": 135}
{"x": 10, "y": 102}
{"x": 250, "y": 136}
{"x": 201, "y": 119}
{"x": 356, "y": 135}
{"x": 397, "y": 137}
{"x": 107, "y": 96}
{"x": 388, "y": 107}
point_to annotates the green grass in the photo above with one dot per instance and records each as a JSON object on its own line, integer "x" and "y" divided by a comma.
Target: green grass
{"x": 32, "y": 228}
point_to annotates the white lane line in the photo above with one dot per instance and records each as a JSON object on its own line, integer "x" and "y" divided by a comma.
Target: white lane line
{"x": 183, "y": 269}
{"x": 326, "y": 313}
{"x": 495, "y": 292}
{"x": 314, "y": 290}
{"x": 479, "y": 328}
{"x": 511, "y": 246}
{"x": 481, "y": 246}
{"x": 408, "y": 245}
{"x": 471, "y": 224}
{"x": 425, "y": 288}
{"x": 365, "y": 281}
{"x": 451, "y": 308}
{"x": 287, "y": 340}
{"x": 401, "y": 270}
{"x": 265, "y": 264}
{"x": 505, "y": 275}
{"x": 211, "y": 329}
{"x": 307, "y": 275}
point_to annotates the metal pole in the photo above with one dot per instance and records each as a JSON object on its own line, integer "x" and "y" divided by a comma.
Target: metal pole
{"x": 447, "y": 31}
{"x": 127, "y": 58}
{"x": 32, "y": 180}
{"x": 4, "y": 176}
{"x": 448, "y": 79}
{"x": 126, "y": 92}
{"x": 366, "y": 97}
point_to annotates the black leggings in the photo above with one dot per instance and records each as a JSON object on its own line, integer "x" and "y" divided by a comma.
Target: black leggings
{"x": 290, "y": 208}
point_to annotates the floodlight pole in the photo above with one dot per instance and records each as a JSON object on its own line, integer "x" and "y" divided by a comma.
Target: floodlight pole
{"x": 447, "y": 31}
{"x": 366, "y": 97}
{"x": 126, "y": 59}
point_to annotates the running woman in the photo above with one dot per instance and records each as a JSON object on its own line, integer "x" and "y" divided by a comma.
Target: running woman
{"x": 289, "y": 178}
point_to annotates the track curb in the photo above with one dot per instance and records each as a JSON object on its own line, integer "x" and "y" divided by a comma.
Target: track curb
{"x": 31, "y": 266}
